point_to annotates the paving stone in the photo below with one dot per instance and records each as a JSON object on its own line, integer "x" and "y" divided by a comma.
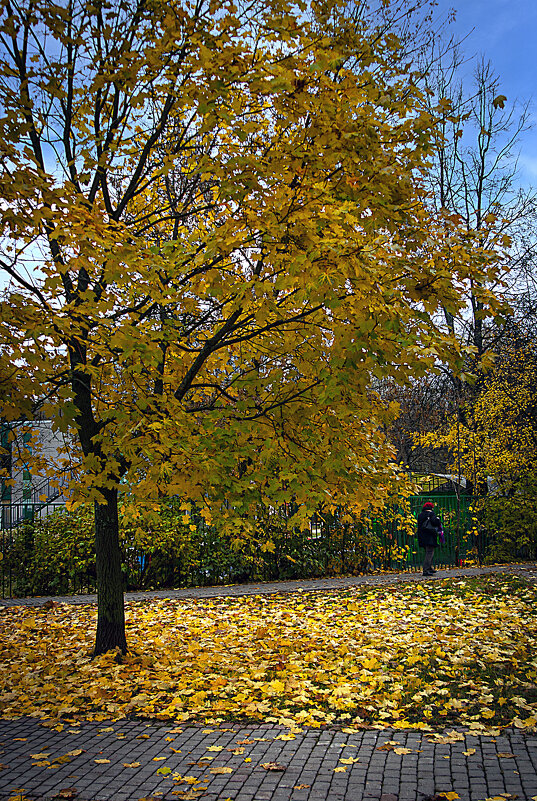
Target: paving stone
{"x": 390, "y": 787}
{"x": 407, "y": 795}
{"x": 391, "y": 773}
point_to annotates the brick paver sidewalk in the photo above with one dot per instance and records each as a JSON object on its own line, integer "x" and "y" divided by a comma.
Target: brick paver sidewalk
{"x": 131, "y": 760}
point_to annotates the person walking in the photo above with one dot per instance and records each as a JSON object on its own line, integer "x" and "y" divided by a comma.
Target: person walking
{"x": 429, "y": 529}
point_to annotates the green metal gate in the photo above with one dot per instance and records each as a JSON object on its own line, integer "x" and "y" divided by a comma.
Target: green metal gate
{"x": 455, "y": 513}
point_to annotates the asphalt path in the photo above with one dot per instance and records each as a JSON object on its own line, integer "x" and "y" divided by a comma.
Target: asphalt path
{"x": 527, "y": 570}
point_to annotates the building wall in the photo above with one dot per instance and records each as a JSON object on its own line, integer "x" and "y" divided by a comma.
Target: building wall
{"x": 27, "y": 485}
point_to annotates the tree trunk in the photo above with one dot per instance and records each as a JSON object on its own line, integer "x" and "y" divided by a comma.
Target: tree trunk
{"x": 111, "y": 612}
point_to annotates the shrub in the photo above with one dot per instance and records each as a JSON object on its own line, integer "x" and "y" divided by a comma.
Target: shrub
{"x": 53, "y": 555}
{"x": 162, "y": 546}
{"x": 509, "y": 526}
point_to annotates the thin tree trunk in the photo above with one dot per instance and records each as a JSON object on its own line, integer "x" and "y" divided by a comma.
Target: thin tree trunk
{"x": 111, "y": 612}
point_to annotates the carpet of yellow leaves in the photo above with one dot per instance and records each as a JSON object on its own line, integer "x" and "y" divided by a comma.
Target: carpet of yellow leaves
{"x": 422, "y": 655}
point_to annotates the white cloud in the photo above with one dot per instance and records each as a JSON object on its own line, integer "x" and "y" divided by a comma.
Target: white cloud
{"x": 528, "y": 166}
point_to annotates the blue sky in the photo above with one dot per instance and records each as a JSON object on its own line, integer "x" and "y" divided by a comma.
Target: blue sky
{"x": 504, "y": 32}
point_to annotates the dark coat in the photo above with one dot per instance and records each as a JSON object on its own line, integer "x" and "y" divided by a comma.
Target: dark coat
{"x": 427, "y": 538}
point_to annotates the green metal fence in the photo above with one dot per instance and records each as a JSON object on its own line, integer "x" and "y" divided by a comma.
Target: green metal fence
{"x": 455, "y": 513}
{"x": 391, "y": 545}
{"x": 334, "y": 545}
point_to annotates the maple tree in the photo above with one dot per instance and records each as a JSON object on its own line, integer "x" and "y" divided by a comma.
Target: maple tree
{"x": 474, "y": 175}
{"x": 423, "y": 405}
{"x": 215, "y": 236}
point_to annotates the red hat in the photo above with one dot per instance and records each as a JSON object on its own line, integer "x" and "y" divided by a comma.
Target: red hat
{"x": 428, "y": 505}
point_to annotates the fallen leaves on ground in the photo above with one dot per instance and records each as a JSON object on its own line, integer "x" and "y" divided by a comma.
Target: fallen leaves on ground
{"x": 501, "y": 797}
{"x": 447, "y": 738}
{"x": 437, "y": 654}
{"x": 451, "y": 796}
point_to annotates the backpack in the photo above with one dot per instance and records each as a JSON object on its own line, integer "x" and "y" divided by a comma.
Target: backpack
{"x": 428, "y": 526}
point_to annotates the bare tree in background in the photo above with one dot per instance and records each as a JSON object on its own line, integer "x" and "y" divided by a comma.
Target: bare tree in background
{"x": 474, "y": 176}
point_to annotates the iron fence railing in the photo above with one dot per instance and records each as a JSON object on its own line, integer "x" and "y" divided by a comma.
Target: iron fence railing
{"x": 333, "y": 545}
{"x": 48, "y": 490}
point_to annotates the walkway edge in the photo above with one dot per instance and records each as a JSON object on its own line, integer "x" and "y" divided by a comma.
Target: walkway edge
{"x": 277, "y": 587}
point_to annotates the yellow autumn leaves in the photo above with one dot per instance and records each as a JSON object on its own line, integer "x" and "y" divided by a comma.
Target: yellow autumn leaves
{"x": 420, "y": 655}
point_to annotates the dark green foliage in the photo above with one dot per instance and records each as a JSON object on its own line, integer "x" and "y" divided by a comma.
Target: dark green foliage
{"x": 509, "y": 526}
{"x": 52, "y": 556}
{"x": 162, "y": 546}
{"x": 55, "y": 555}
